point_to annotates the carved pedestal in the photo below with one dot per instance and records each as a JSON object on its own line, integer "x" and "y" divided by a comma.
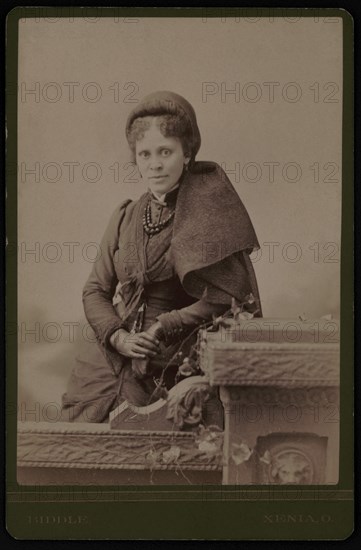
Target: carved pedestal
{"x": 279, "y": 384}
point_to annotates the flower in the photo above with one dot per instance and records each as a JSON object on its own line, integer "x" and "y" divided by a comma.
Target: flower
{"x": 250, "y": 298}
{"x": 186, "y": 368}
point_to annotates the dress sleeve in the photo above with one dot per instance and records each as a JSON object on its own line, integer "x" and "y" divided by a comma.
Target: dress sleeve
{"x": 219, "y": 283}
{"x": 100, "y": 287}
{"x": 178, "y": 322}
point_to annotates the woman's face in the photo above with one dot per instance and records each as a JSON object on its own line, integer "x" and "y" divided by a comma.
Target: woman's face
{"x": 160, "y": 159}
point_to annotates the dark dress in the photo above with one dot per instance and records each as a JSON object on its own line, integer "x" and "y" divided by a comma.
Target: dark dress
{"x": 102, "y": 378}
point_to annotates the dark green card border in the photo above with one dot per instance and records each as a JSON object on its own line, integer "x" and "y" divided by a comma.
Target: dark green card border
{"x": 223, "y": 513}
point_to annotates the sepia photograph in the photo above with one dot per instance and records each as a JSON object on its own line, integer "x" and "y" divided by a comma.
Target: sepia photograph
{"x": 179, "y": 200}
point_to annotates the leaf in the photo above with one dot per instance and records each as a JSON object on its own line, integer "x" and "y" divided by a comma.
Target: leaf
{"x": 225, "y": 323}
{"x": 266, "y": 458}
{"x": 153, "y": 457}
{"x": 209, "y": 440}
{"x": 171, "y": 455}
{"x": 240, "y": 453}
{"x": 245, "y": 315}
{"x": 208, "y": 447}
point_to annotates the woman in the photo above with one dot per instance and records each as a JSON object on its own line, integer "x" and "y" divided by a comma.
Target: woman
{"x": 170, "y": 261}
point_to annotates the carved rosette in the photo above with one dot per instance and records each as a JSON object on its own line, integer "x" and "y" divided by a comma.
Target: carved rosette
{"x": 290, "y": 459}
{"x": 291, "y": 466}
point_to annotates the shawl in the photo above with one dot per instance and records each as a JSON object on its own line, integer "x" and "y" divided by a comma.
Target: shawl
{"x": 212, "y": 235}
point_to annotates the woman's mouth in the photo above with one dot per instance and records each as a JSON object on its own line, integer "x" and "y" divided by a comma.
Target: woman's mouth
{"x": 157, "y": 177}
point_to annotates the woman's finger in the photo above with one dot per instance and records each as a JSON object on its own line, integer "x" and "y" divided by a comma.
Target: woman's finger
{"x": 146, "y": 345}
{"x": 149, "y": 337}
{"x": 135, "y": 355}
{"x": 138, "y": 348}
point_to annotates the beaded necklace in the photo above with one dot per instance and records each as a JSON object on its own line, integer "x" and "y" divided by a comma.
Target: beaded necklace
{"x": 152, "y": 228}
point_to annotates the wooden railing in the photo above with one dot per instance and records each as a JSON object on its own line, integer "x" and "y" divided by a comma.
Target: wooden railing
{"x": 265, "y": 410}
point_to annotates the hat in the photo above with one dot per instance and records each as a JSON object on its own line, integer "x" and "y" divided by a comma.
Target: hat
{"x": 164, "y": 103}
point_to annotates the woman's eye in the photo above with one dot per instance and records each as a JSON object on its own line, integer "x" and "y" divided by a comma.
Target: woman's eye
{"x": 165, "y": 152}
{"x": 144, "y": 154}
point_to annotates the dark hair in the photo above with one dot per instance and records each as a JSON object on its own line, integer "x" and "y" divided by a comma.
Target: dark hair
{"x": 169, "y": 125}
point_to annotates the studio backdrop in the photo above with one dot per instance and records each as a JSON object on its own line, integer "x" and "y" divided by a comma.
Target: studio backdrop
{"x": 268, "y": 99}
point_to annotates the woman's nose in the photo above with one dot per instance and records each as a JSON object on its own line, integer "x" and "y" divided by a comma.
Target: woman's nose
{"x": 155, "y": 164}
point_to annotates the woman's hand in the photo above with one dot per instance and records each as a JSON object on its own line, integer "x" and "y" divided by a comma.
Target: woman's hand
{"x": 156, "y": 330}
{"x": 142, "y": 367}
{"x": 140, "y": 345}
